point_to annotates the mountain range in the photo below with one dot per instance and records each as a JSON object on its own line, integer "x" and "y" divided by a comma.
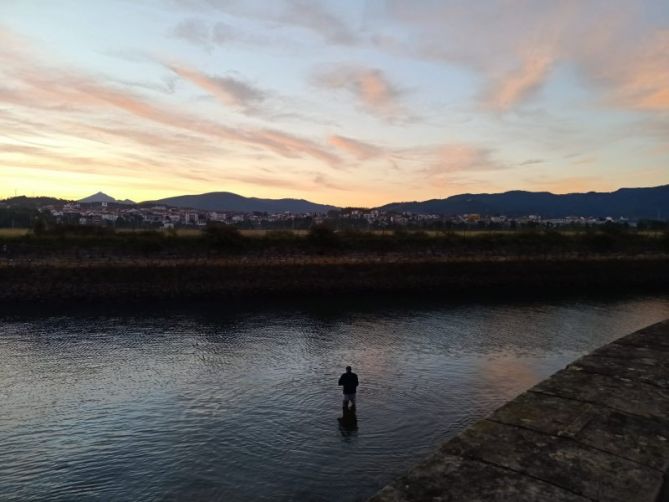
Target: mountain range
{"x": 633, "y": 203}
{"x": 227, "y": 201}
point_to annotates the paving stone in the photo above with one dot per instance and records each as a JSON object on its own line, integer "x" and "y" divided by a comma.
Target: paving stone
{"x": 655, "y": 336}
{"x": 546, "y": 413}
{"x": 651, "y": 355}
{"x": 559, "y": 461}
{"x": 643, "y": 440}
{"x": 644, "y": 370}
{"x": 640, "y": 439}
{"x": 628, "y": 396}
{"x": 454, "y": 479}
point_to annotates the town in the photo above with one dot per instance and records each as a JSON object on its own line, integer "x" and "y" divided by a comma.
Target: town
{"x": 147, "y": 216}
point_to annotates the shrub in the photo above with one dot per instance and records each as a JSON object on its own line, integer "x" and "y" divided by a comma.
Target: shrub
{"x": 322, "y": 236}
{"x": 223, "y": 236}
{"x": 66, "y": 230}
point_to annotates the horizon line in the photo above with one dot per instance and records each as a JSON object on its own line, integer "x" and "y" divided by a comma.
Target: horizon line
{"x": 328, "y": 204}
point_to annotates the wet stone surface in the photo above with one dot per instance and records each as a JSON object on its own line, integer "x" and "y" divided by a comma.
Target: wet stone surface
{"x": 597, "y": 430}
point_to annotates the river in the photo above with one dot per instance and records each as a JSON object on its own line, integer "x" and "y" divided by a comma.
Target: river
{"x": 240, "y": 402}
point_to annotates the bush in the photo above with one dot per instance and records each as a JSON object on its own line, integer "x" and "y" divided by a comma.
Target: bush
{"x": 322, "y": 236}
{"x": 600, "y": 242}
{"x": 224, "y": 236}
{"x": 65, "y": 231}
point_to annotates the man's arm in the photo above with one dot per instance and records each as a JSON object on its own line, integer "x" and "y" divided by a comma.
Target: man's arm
{"x": 340, "y": 380}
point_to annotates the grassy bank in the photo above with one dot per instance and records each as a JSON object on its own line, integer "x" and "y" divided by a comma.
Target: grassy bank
{"x": 81, "y": 243}
{"x": 94, "y": 263}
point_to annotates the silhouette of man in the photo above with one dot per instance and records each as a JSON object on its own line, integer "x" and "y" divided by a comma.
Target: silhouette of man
{"x": 349, "y": 381}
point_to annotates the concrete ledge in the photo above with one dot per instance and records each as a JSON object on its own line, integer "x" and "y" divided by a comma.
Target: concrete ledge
{"x": 596, "y": 430}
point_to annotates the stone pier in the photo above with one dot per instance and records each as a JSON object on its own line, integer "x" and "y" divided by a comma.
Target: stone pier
{"x": 596, "y": 430}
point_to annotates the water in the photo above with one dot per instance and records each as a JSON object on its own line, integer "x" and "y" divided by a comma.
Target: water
{"x": 214, "y": 402}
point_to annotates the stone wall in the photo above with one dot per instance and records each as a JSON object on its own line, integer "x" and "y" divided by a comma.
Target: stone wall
{"x": 156, "y": 279}
{"x": 597, "y": 430}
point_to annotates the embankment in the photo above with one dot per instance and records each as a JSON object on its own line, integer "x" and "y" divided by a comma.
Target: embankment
{"x": 597, "y": 430}
{"x": 164, "y": 279}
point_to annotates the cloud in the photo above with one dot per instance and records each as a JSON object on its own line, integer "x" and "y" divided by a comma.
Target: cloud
{"x": 641, "y": 80}
{"x": 204, "y": 34}
{"x": 321, "y": 180}
{"x": 222, "y": 33}
{"x": 463, "y": 157}
{"x": 358, "y": 149}
{"x": 230, "y": 91}
{"x": 314, "y": 16}
{"x": 293, "y": 146}
{"x": 194, "y": 31}
{"x": 617, "y": 47}
{"x": 530, "y": 162}
{"x": 38, "y": 86}
{"x": 267, "y": 181}
{"x": 304, "y": 182}
{"x": 518, "y": 85}
{"x": 455, "y": 161}
{"x": 516, "y": 42}
{"x": 369, "y": 86}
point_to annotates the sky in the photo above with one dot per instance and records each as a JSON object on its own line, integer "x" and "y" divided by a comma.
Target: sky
{"x": 346, "y": 102}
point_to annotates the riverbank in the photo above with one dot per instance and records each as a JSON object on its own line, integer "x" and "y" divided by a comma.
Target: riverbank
{"x": 149, "y": 278}
{"x": 597, "y": 430}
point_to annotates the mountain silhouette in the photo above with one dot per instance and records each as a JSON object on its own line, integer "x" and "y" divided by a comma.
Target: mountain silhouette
{"x": 103, "y": 197}
{"x": 635, "y": 203}
{"x": 227, "y": 201}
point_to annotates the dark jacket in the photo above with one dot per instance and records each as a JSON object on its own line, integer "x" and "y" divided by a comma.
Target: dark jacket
{"x": 349, "y": 381}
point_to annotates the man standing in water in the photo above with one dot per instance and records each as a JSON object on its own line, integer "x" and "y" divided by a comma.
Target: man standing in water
{"x": 350, "y": 381}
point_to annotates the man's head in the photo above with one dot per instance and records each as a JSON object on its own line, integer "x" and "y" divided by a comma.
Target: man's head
{"x": 348, "y": 369}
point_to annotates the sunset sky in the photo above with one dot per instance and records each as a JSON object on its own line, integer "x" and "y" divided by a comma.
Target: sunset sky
{"x": 343, "y": 102}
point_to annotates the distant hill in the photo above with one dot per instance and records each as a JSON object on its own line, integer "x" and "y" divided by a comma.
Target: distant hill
{"x": 635, "y": 203}
{"x": 32, "y": 202}
{"x": 226, "y": 201}
{"x": 103, "y": 197}
{"x": 97, "y": 197}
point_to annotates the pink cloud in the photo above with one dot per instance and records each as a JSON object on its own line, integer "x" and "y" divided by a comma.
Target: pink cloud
{"x": 453, "y": 164}
{"x": 516, "y": 86}
{"x": 452, "y": 158}
{"x": 358, "y": 149}
{"x": 615, "y": 46}
{"x": 38, "y": 86}
{"x": 640, "y": 81}
{"x": 228, "y": 90}
{"x": 370, "y": 87}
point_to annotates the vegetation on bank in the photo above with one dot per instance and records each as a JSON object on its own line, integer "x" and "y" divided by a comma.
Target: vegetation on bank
{"x": 93, "y": 263}
{"x": 222, "y": 240}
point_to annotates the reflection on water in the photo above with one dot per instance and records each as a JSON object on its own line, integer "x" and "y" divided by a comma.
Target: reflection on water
{"x": 208, "y": 402}
{"x": 348, "y": 422}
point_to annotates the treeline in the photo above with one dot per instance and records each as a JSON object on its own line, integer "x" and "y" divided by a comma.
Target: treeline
{"x": 217, "y": 240}
{"x": 18, "y": 217}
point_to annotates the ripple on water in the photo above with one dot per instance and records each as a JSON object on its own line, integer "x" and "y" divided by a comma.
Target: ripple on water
{"x": 219, "y": 405}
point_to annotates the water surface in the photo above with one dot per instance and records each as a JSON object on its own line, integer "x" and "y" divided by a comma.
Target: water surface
{"x": 216, "y": 402}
